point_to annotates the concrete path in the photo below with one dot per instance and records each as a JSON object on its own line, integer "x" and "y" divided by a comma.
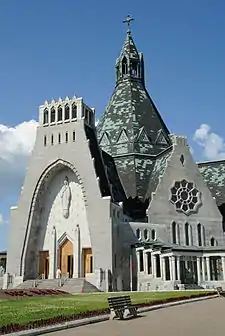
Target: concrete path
{"x": 200, "y": 318}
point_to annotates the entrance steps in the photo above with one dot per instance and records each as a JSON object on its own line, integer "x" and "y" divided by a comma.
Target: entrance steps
{"x": 79, "y": 285}
{"x": 192, "y": 286}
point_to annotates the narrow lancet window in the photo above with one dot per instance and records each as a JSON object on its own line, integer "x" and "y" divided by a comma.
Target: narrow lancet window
{"x": 45, "y": 116}
{"x": 74, "y": 111}
{"x": 174, "y": 233}
{"x": 52, "y": 114}
{"x": 60, "y": 113}
{"x": 67, "y": 112}
{"x": 199, "y": 229}
{"x": 124, "y": 66}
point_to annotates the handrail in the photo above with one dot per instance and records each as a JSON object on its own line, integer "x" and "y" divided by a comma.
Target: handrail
{"x": 40, "y": 277}
{"x": 63, "y": 279}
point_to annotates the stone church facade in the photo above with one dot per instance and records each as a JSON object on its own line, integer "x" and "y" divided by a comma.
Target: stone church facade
{"x": 122, "y": 205}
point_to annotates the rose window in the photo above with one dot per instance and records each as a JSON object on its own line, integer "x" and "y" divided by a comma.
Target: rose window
{"x": 185, "y": 197}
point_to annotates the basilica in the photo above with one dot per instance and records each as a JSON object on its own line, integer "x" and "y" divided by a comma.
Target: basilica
{"x": 122, "y": 204}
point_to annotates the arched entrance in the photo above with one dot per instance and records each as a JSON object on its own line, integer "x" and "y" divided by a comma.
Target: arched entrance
{"x": 29, "y": 256}
{"x": 66, "y": 258}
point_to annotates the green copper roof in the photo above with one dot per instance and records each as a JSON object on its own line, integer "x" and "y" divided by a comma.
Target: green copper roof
{"x": 214, "y": 175}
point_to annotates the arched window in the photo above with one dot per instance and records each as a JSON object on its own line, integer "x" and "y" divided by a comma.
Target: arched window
{"x": 213, "y": 241}
{"x": 203, "y": 235}
{"x": 117, "y": 72}
{"x": 74, "y": 111}
{"x": 174, "y": 233}
{"x": 138, "y": 233}
{"x": 67, "y": 112}
{"x": 153, "y": 234}
{"x": 145, "y": 234}
{"x": 124, "y": 66}
{"x": 59, "y": 138}
{"x": 66, "y": 138}
{"x": 60, "y": 113}
{"x": 187, "y": 241}
{"x": 199, "y": 230}
{"x": 52, "y": 114}
{"x": 190, "y": 235}
{"x": 45, "y": 116}
{"x": 134, "y": 68}
{"x": 52, "y": 140}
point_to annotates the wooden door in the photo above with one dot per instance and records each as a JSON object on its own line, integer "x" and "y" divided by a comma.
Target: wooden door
{"x": 87, "y": 261}
{"x": 66, "y": 258}
{"x": 44, "y": 264}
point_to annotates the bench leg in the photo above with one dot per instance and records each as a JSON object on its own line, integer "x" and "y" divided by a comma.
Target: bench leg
{"x": 133, "y": 311}
{"x": 112, "y": 315}
{"x": 126, "y": 312}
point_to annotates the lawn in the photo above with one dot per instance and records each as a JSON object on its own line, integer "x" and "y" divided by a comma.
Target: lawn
{"x": 25, "y": 310}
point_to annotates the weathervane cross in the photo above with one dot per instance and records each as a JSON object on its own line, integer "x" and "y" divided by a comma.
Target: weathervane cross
{"x": 128, "y": 21}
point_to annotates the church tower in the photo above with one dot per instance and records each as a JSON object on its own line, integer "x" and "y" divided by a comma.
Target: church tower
{"x": 131, "y": 129}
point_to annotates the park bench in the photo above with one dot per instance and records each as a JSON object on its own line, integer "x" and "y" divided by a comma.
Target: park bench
{"x": 220, "y": 291}
{"x": 121, "y": 307}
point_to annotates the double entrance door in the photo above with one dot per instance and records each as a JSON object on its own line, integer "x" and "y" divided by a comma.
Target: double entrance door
{"x": 65, "y": 260}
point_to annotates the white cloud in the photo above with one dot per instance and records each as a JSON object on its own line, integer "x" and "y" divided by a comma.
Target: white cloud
{"x": 213, "y": 144}
{"x": 2, "y": 220}
{"x": 16, "y": 144}
{"x": 96, "y": 122}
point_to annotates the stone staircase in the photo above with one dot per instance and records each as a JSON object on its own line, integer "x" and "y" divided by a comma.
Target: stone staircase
{"x": 68, "y": 285}
{"x": 192, "y": 287}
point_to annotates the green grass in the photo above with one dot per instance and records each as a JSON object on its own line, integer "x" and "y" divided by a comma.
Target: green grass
{"x": 25, "y": 310}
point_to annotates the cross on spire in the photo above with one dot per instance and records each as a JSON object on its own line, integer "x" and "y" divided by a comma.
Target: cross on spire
{"x": 128, "y": 21}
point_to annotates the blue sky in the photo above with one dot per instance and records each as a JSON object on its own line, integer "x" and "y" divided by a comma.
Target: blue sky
{"x": 58, "y": 48}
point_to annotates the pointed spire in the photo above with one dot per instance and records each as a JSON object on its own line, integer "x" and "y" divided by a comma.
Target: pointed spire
{"x": 129, "y": 64}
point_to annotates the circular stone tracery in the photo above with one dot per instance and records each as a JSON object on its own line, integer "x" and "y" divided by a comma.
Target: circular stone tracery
{"x": 185, "y": 196}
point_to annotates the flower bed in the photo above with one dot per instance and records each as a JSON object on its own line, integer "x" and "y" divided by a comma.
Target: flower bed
{"x": 62, "y": 318}
{"x": 34, "y": 292}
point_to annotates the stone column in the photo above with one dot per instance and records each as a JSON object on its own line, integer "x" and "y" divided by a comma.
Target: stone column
{"x": 199, "y": 269}
{"x": 63, "y": 112}
{"x": 178, "y": 268}
{"x": 163, "y": 268}
{"x": 208, "y": 268}
{"x": 203, "y": 268}
{"x": 76, "y": 254}
{"x": 223, "y": 267}
{"x": 138, "y": 262}
{"x": 170, "y": 268}
{"x": 154, "y": 266}
{"x": 79, "y": 103}
{"x": 52, "y": 255}
{"x": 173, "y": 261}
{"x": 145, "y": 256}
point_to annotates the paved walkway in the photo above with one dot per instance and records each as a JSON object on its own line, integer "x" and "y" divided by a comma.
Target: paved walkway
{"x": 200, "y": 318}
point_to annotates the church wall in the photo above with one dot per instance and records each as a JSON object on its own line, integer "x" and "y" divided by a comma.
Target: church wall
{"x": 98, "y": 209}
{"x": 162, "y": 211}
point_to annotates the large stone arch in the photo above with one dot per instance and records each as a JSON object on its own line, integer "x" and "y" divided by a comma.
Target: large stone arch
{"x": 48, "y": 174}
